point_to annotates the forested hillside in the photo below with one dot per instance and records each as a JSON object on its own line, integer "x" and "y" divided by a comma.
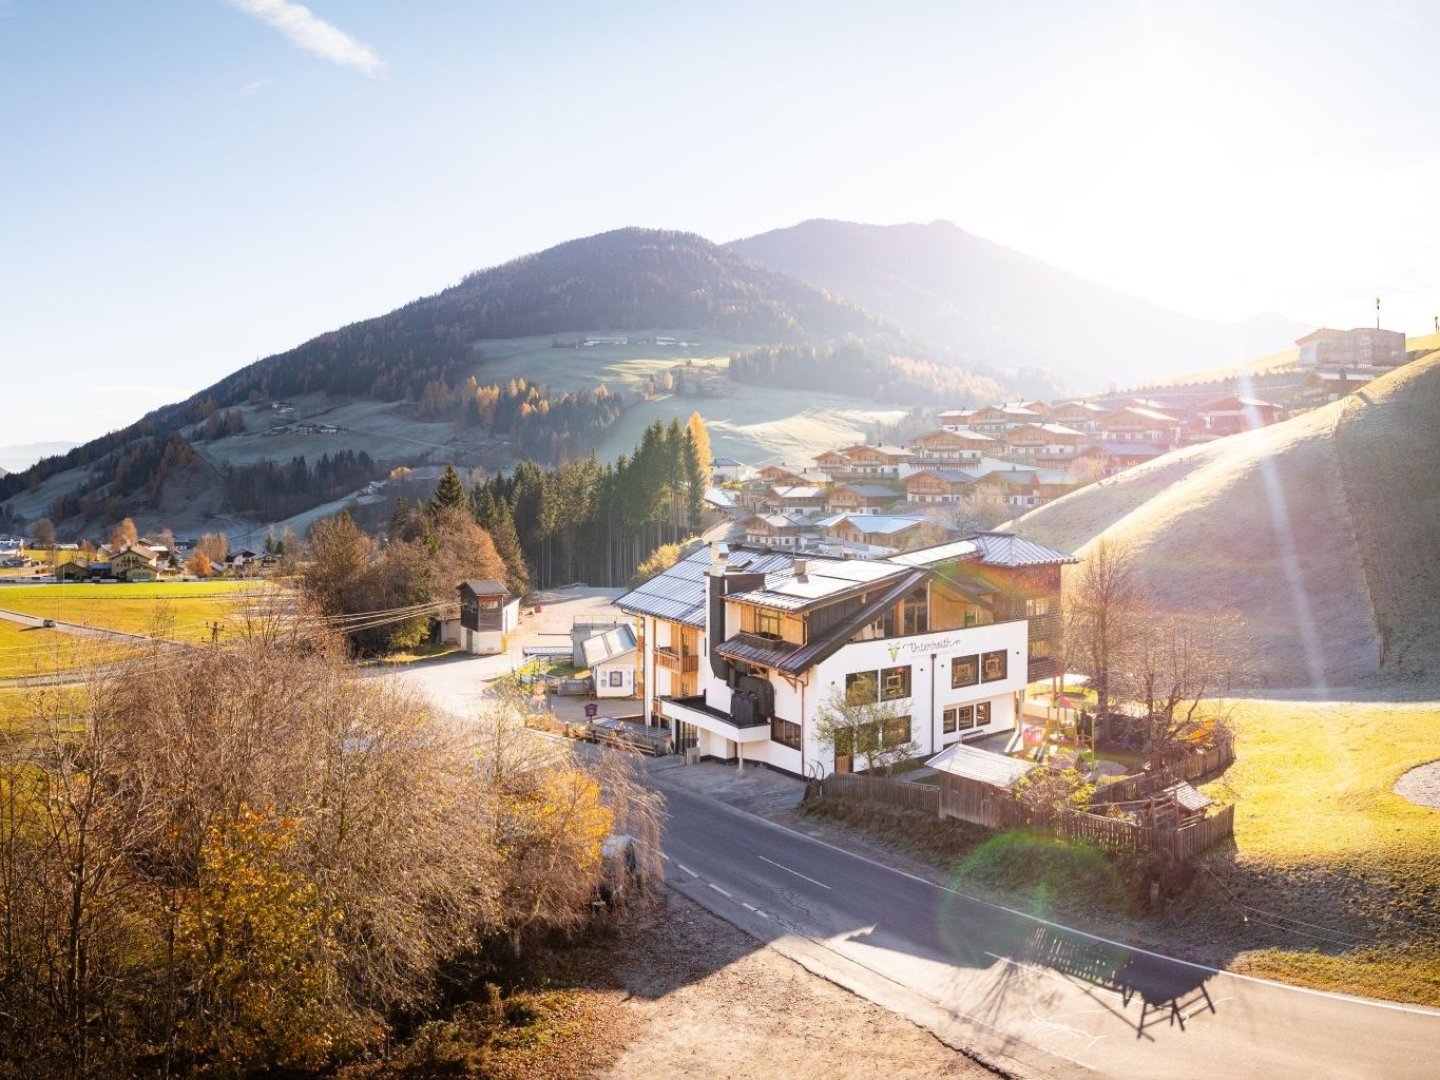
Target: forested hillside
{"x": 425, "y": 352}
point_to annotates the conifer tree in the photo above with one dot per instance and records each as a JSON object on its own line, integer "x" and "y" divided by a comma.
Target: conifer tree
{"x": 449, "y": 493}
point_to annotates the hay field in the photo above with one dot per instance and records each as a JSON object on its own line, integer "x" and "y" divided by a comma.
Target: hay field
{"x": 182, "y": 608}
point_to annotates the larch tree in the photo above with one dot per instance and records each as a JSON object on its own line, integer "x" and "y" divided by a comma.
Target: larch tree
{"x": 700, "y": 435}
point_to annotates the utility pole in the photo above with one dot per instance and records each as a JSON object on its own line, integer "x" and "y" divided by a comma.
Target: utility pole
{"x": 1377, "y": 313}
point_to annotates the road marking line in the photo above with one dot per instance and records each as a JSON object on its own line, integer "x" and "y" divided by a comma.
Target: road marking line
{"x": 664, "y": 856}
{"x": 1393, "y": 1006}
{"x": 687, "y": 870}
{"x": 721, "y": 891}
{"x": 797, "y": 873}
{"x": 762, "y": 914}
{"x": 747, "y": 907}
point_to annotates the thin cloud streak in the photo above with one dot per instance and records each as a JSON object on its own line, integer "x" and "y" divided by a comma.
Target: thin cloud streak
{"x": 255, "y": 87}
{"x": 313, "y": 34}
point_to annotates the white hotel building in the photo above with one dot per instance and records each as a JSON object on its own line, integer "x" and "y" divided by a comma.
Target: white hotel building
{"x": 742, "y": 646}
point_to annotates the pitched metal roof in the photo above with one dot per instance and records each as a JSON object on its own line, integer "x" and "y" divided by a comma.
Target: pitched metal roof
{"x": 956, "y": 549}
{"x": 1007, "y": 549}
{"x": 678, "y": 594}
{"x": 485, "y": 587}
{"x": 874, "y": 524}
{"x": 824, "y": 580}
{"x": 607, "y": 646}
{"x": 972, "y": 763}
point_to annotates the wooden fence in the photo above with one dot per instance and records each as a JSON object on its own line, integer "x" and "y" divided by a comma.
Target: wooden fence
{"x": 1186, "y": 767}
{"x": 995, "y": 809}
{"x": 922, "y": 797}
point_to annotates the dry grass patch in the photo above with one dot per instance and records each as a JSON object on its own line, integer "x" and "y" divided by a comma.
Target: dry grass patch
{"x": 1334, "y": 881}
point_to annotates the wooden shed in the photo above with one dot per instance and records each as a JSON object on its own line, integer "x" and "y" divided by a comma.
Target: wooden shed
{"x": 975, "y": 785}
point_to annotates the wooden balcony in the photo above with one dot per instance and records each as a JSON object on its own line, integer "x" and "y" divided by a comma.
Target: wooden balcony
{"x": 670, "y": 660}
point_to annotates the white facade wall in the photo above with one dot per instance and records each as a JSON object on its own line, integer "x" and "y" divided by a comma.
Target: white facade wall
{"x": 927, "y": 655}
{"x": 619, "y": 669}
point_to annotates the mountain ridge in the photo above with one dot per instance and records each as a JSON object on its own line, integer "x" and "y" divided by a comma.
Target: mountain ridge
{"x": 980, "y": 301}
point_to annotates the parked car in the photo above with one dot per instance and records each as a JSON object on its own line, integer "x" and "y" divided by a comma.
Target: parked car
{"x": 48, "y": 624}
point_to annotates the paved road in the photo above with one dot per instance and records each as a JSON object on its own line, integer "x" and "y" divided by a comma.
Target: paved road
{"x": 1033, "y": 997}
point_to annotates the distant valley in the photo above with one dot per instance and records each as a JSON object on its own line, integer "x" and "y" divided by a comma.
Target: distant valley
{"x": 567, "y": 352}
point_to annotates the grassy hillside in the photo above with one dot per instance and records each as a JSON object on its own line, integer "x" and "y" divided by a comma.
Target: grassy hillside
{"x": 1321, "y": 531}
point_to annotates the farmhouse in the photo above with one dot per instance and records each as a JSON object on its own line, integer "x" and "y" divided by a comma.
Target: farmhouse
{"x": 743, "y": 647}
{"x": 1045, "y": 443}
{"x": 879, "y": 534}
{"x": 778, "y": 530}
{"x": 937, "y": 485}
{"x": 1136, "y": 423}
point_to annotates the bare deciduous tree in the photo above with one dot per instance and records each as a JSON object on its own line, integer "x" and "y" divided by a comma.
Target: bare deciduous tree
{"x": 1103, "y": 603}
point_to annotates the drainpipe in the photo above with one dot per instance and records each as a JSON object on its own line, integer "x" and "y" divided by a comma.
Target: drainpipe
{"x": 739, "y": 756}
{"x": 932, "y": 703}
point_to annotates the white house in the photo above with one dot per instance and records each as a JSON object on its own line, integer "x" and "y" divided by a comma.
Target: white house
{"x": 743, "y": 647}
{"x": 611, "y": 658}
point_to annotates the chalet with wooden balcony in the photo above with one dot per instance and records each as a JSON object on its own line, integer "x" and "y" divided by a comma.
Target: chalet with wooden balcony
{"x": 873, "y": 462}
{"x": 744, "y": 647}
{"x": 862, "y": 498}
{"x": 1044, "y": 444}
{"x": 779, "y": 530}
{"x": 880, "y": 534}
{"x": 1136, "y": 423}
{"x": 1078, "y": 415}
{"x": 995, "y": 420}
{"x": 955, "y": 419}
{"x": 799, "y": 498}
{"x": 1114, "y": 457}
{"x": 950, "y": 448}
{"x": 937, "y": 486}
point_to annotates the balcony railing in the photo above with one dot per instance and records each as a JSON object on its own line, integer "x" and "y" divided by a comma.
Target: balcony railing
{"x": 670, "y": 660}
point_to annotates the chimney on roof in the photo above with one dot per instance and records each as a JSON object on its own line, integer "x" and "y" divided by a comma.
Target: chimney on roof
{"x": 801, "y": 565}
{"x": 719, "y": 560}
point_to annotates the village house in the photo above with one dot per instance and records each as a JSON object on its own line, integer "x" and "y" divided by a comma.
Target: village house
{"x": 833, "y": 463}
{"x": 779, "y": 530}
{"x": 859, "y": 498}
{"x": 743, "y": 648}
{"x": 135, "y": 563}
{"x": 726, "y": 470}
{"x": 952, "y": 448}
{"x": 1231, "y": 415}
{"x": 1041, "y": 444}
{"x": 1136, "y": 423}
{"x": 933, "y": 486}
{"x": 774, "y": 474}
{"x": 798, "y": 498}
{"x": 489, "y": 614}
{"x": 995, "y": 420}
{"x": 872, "y": 462}
{"x": 879, "y": 534}
{"x": 1078, "y": 415}
{"x": 1113, "y": 457}
{"x": 955, "y": 419}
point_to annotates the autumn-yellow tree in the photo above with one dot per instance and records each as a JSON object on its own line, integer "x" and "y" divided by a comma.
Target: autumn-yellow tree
{"x": 700, "y": 436}
{"x": 251, "y": 939}
{"x": 123, "y": 535}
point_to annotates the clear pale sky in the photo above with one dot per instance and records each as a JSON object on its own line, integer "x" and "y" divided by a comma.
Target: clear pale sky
{"x": 188, "y": 185}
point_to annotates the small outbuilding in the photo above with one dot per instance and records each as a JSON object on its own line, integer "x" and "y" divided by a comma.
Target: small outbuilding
{"x": 611, "y": 659}
{"x": 975, "y": 784}
{"x": 489, "y": 614}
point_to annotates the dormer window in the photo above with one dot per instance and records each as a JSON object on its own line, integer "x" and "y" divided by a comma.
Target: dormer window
{"x": 767, "y": 623}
